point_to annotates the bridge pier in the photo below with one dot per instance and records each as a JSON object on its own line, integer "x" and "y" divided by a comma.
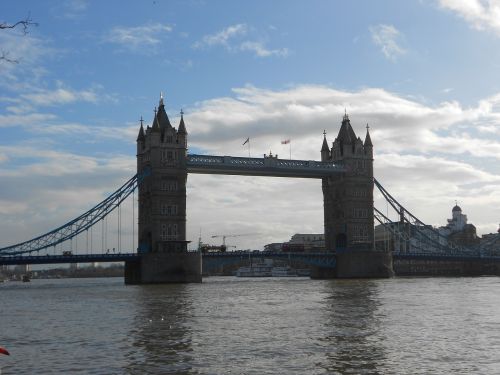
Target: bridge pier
{"x": 357, "y": 264}
{"x": 162, "y": 268}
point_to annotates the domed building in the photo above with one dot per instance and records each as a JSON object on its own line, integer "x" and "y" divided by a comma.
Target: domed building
{"x": 458, "y": 231}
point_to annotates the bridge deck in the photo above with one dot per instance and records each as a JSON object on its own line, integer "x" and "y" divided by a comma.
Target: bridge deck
{"x": 58, "y": 259}
{"x": 89, "y": 258}
{"x": 267, "y": 166}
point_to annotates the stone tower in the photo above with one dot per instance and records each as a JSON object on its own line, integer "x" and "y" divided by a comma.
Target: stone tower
{"x": 161, "y": 159}
{"x": 348, "y": 206}
{"x": 162, "y": 173}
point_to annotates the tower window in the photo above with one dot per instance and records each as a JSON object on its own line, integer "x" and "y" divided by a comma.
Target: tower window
{"x": 169, "y": 185}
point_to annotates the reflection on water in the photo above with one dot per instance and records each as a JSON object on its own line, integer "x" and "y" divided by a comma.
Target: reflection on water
{"x": 160, "y": 331}
{"x": 252, "y": 326}
{"x": 352, "y": 328}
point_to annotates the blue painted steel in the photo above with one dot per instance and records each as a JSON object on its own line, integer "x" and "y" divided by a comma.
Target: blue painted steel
{"x": 78, "y": 225}
{"x": 267, "y": 166}
{"x": 458, "y": 257}
{"x": 57, "y": 259}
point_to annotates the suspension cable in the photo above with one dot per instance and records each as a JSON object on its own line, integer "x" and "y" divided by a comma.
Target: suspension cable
{"x": 133, "y": 221}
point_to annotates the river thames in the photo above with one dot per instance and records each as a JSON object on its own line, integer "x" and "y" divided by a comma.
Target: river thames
{"x": 229, "y": 325}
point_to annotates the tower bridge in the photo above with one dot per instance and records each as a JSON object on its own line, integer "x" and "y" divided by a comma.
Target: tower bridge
{"x": 163, "y": 165}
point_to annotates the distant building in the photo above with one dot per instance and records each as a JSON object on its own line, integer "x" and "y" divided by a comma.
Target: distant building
{"x": 458, "y": 230}
{"x": 273, "y": 247}
{"x": 300, "y": 242}
{"x": 491, "y": 242}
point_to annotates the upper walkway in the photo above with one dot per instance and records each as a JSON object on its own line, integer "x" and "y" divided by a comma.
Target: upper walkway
{"x": 269, "y": 166}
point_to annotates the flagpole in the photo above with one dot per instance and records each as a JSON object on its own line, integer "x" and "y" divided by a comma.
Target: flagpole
{"x": 249, "y": 147}
{"x": 290, "y": 150}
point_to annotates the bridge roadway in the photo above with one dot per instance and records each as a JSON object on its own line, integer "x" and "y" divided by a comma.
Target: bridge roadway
{"x": 321, "y": 259}
{"x": 75, "y": 258}
{"x": 209, "y": 259}
{"x": 267, "y": 166}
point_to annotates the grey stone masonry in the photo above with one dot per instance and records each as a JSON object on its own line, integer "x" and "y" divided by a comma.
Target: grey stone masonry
{"x": 161, "y": 159}
{"x": 348, "y": 197}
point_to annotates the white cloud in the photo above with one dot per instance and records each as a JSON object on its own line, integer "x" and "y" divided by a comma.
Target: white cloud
{"x": 70, "y": 9}
{"x": 261, "y": 51}
{"x": 60, "y": 96}
{"x": 28, "y": 51}
{"x": 231, "y": 39}
{"x": 267, "y": 115}
{"x": 222, "y": 37}
{"x": 387, "y": 37}
{"x": 481, "y": 14}
{"x": 138, "y": 37}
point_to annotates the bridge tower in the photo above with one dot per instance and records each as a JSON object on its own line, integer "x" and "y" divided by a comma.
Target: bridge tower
{"x": 161, "y": 165}
{"x": 348, "y": 207}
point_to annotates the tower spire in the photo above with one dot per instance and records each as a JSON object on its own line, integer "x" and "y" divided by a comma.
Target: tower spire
{"x": 182, "y": 126}
{"x": 141, "y": 136}
{"x": 368, "y": 140}
{"x": 156, "y": 125}
{"x": 325, "y": 143}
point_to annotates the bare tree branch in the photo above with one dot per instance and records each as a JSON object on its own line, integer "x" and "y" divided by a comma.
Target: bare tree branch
{"x": 24, "y": 24}
{"x": 4, "y": 56}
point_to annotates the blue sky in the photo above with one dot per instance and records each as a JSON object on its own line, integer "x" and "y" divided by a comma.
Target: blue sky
{"x": 424, "y": 74}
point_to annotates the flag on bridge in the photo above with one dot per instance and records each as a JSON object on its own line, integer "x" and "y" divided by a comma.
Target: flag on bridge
{"x": 248, "y": 140}
{"x": 288, "y": 142}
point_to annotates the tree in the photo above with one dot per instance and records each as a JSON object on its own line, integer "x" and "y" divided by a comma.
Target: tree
{"x": 24, "y": 24}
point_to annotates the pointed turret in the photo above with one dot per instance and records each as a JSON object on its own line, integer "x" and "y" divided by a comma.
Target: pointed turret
{"x": 155, "y": 127}
{"x": 141, "y": 136}
{"x": 325, "y": 150}
{"x": 346, "y": 133}
{"x": 182, "y": 126}
{"x": 325, "y": 145}
{"x": 368, "y": 143}
{"x": 368, "y": 140}
{"x": 162, "y": 116}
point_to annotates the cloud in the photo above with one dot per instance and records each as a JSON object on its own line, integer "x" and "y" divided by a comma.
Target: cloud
{"x": 261, "y": 51}
{"x": 139, "y": 37}
{"x": 60, "y": 96}
{"x": 231, "y": 39}
{"x": 482, "y": 15}
{"x": 70, "y": 9}
{"x": 222, "y": 37}
{"x": 387, "y": 38}
{"x": 27, "y": 50}
{"x": 267, "y": 115}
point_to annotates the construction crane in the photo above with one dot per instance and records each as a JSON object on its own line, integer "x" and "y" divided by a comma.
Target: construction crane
{"x": 224, "y": 236}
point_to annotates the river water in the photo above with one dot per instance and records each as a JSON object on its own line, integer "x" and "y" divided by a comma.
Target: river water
{"x": 229, "y": 325}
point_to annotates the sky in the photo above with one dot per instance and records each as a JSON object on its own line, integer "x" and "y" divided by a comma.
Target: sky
{"x": 425, "y": 76}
